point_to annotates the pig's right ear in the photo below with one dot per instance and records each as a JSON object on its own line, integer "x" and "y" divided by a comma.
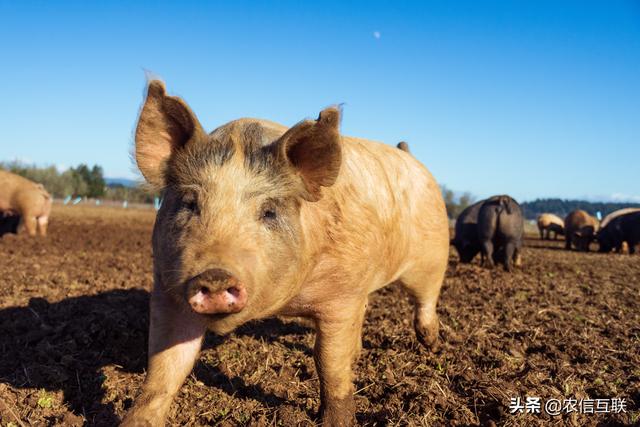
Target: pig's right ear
{"x": 166, "y": 124}
{"x": 312, "y": 149}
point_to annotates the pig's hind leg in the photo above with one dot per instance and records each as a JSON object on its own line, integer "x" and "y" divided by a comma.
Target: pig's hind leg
{"x": 487, "y": 254}
{"x": 42, "y": 225}
{"x": 424, "y": 287}
{"x": 510, "y": 254}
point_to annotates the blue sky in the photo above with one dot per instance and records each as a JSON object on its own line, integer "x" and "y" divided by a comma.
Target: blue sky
{"x": 530, "y": 98}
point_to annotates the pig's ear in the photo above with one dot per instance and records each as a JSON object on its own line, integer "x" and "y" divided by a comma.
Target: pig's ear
{"x": 312, "y": 148}
{"x": 166, "y": 124}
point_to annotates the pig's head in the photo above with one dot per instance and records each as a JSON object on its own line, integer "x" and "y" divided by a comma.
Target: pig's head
{"x": 467, "y": 250}
{"x": 609, "y": 237}
{"x": 228, "y": 240}
{"x": 583, "y": 237}
{"x": 606, "y": 242}
{"x": 466, "y": 242}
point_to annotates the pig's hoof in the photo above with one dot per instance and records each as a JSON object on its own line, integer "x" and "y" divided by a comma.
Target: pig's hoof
{"x": 129, "y": 422}
{"x": 338, "y": 413}
{"x": 428, "y": 336}
{"x": 137, "y": 419}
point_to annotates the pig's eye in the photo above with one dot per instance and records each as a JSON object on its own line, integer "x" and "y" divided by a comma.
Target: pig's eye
{"x": 193, "y": 207}
{"x": 268, "y": 213}
{"x": 190, "y": 203}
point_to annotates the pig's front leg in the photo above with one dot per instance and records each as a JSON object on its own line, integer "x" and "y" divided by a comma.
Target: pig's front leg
{"x": 175, "y": 338}
{"x": 338, "y": 343}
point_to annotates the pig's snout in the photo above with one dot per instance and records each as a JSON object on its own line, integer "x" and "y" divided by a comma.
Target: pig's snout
{"x": 216, "y": 292}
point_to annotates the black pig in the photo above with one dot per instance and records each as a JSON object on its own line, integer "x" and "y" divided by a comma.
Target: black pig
{"x": 624, "y": 228}
{"x": 500, "y": 231}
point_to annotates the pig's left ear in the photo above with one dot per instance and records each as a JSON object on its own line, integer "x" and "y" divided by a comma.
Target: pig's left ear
{"x": 312, "y": 148}
{"x": 166, "y": 124}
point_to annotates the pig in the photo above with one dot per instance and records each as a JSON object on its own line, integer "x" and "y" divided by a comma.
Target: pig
{"x": 466, "y": 239}
{"x": 27, "y": 199}
{"x": 548, "y": 223}
{"x": 260, "y": 220}
{"x": 623, "y": 228}
{"x": 580, "y": 230}
{"x": 500, "y": 231}
{"x": 620, "y": 247}
{"x": 9, "y": 223}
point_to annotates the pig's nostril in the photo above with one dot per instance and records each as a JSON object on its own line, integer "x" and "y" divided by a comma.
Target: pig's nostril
{"x": 204, "y": 290}
{"x": 234, "y": 291}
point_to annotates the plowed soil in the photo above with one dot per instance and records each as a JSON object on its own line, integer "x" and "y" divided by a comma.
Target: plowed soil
{"x": 74, "y": 319}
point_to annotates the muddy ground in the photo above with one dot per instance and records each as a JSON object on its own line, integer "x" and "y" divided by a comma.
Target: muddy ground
{"x": 73, "y": 325}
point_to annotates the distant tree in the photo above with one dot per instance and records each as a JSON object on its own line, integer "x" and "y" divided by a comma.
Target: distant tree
{"x": 82, "y": 177}
{"x": 96, "y": 182}
{"x": 87, "y": 182}
{"x": 455, "y": 205}
{"x": 449, "y": 201}
{"x": 465, "y": 200}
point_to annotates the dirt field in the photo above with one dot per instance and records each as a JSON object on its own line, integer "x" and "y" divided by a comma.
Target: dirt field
{"x": 73, "y": 325}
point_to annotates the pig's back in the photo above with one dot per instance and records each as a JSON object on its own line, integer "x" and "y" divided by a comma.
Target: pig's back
{"x": 9, "y": 183}
{"x": 390, "y": 179}
{"x": 392, "y": 208}
{"x": 16, "y": 190}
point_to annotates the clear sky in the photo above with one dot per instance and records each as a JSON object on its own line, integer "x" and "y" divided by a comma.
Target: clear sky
{"x": 530, "y": 98}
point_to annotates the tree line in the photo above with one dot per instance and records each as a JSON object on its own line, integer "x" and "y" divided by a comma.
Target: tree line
{"x": 456, "y": 203}
{"x": 562, "y": 207}
{"x": 79, "y": 181}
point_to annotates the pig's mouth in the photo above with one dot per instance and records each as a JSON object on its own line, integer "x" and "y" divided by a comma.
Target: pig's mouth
{"x": 218, "y": 297}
